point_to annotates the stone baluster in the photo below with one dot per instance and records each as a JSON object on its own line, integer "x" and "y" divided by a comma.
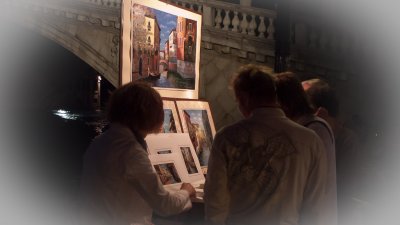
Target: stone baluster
{"x": 208, "y": 16}
{"x": 252, "y": 26}
{"x": 313, "y": 38}
{"x": 262, "y": 28}
{"x": 271, "y": 29}
{"x": 351, "y": 44}
{"x": 335, "y": 43}
{"x": 300, "y": 34}
{"x": 244, "y": 24}
{"x": 323, "y": 41}
{"x": 235, "y": 22}
{"x": 358, "y": 45}
{"x": 344, "y": 44}
{"x": 227, "y": 20}
{"x": 218, "y": 19}
{"x": 192, "y": 7}
{"x": 199, "y": 8}
{"x": 118, "y": 3}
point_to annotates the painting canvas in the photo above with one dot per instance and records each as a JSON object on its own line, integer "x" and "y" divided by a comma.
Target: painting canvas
{"x": 164, "y": 47}
{"x": 189, "y": 160}
{"x": 167, "y": 173}
{"x": 176, "y": 147}
{"x": 197, "y": 121}
{"x": 171, "y": 120}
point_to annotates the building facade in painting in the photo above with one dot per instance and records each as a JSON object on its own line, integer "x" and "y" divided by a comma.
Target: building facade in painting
{"x": 146, "y": 47}
{"x": 186, "y": 41}
{"x": 172, "y": 51}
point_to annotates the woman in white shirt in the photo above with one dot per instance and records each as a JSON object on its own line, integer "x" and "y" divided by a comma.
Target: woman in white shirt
{"x": 119, "y": 185}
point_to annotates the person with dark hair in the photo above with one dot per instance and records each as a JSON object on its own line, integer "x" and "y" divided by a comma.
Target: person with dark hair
{"x": 119, "y": 185}
{"x": 296, "y": 104}
{"x": 264, "y": 169}
{"x": 326, "y": 104}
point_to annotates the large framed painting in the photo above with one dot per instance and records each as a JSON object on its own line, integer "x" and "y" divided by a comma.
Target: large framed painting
{"x": 161, "y": 46}
{"x": 171, "y": 119}
{"x": 197, "y": 120}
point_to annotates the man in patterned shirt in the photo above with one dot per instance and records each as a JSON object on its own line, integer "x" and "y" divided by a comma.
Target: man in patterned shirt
{"x": 264, "y": 169}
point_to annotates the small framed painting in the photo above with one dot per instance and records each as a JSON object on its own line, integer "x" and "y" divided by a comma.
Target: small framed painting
{"x": 180, "y": 149}
{"x": 171, "y": 119}
{"x": 197, "y": 120}
{"x": 167, "y": 169}
{"x": 161, "y": 46}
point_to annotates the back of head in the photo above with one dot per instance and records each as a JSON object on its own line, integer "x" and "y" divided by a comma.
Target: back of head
{"x": 291, "y": 95}
{"x": 322, "y": 95}
{"x": 137, "y": 106}
{"x": 256, "y": 84}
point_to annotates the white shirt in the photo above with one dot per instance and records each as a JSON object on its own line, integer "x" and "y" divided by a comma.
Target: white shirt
{"x": 266, "y": 170}
{"x": 119, "y": 185}
{"x": 324, "y": 131}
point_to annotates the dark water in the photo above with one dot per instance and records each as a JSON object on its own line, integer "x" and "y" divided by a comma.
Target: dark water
{"x": 171, "y": 80}
{"x": 51, "y": 144}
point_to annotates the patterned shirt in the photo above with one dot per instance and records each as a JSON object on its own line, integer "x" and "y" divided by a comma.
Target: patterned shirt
{"x": 266, "y": 170}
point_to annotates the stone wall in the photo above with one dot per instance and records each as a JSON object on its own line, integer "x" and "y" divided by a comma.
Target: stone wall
{"x": 216, "y": 72}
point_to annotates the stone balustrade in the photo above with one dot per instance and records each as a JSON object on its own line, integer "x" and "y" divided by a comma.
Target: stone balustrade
{"x": 234, "y": 18}
{"x": 324, "y": 43}
{"x": 318, "y": 38}
{"x": 105, "y": 15}
{"x": 109, "y": 3}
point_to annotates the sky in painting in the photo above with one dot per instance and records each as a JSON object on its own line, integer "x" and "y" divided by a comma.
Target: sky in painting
{"x": 167, "y": 22}
{"x": 199, "y": 117}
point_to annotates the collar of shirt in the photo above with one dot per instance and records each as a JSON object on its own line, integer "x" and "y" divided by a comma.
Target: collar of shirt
{"x": 306, "y": 119}
{"x": 270, "y": 112}
{"x": 131, "y": 133}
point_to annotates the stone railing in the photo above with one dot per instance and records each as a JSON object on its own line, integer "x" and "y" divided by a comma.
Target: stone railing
{"x": 241, "y": 31}
{"x": 325, "y": 44}
{"x": 233, "y": 17}
{"x": 109, "y": 3}
{"x": 221, "y": 16}
{"x": 105, "y": 15}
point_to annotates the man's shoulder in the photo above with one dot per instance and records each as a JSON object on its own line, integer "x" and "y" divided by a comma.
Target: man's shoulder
{"x": 231, "y": 131}
{"x": 293, "y": 127}
{"x": 247, "y": 127}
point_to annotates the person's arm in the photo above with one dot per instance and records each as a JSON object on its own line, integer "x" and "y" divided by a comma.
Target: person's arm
{"x": 139, "y": 172}
{"x": 216, "y": 193}
{"x": 315, "y": 198}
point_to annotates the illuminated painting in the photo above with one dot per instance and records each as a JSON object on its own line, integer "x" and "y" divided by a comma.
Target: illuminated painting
{"x": 171, "y": 120}
{"x": 189, "y": 160}
{"x": 166, "y": 148}
{"x": 164, "y": 47}
{"x": 167, "y": 173}
{"x": 197, "y": 121}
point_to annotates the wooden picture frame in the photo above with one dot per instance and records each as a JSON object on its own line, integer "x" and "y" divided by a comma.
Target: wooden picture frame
{"x": 172, "y": 122}
{"x": 168, "y": 168}
{"x": 177, "y": 147}
{"x": 161, "y": 46}
{"x": 197, "y": 120}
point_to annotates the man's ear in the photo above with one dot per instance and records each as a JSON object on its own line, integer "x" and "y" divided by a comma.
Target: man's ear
{"x": 322, "y": 112}
{"x": 243, "y": 99}
{"x": 244, "y": 102}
